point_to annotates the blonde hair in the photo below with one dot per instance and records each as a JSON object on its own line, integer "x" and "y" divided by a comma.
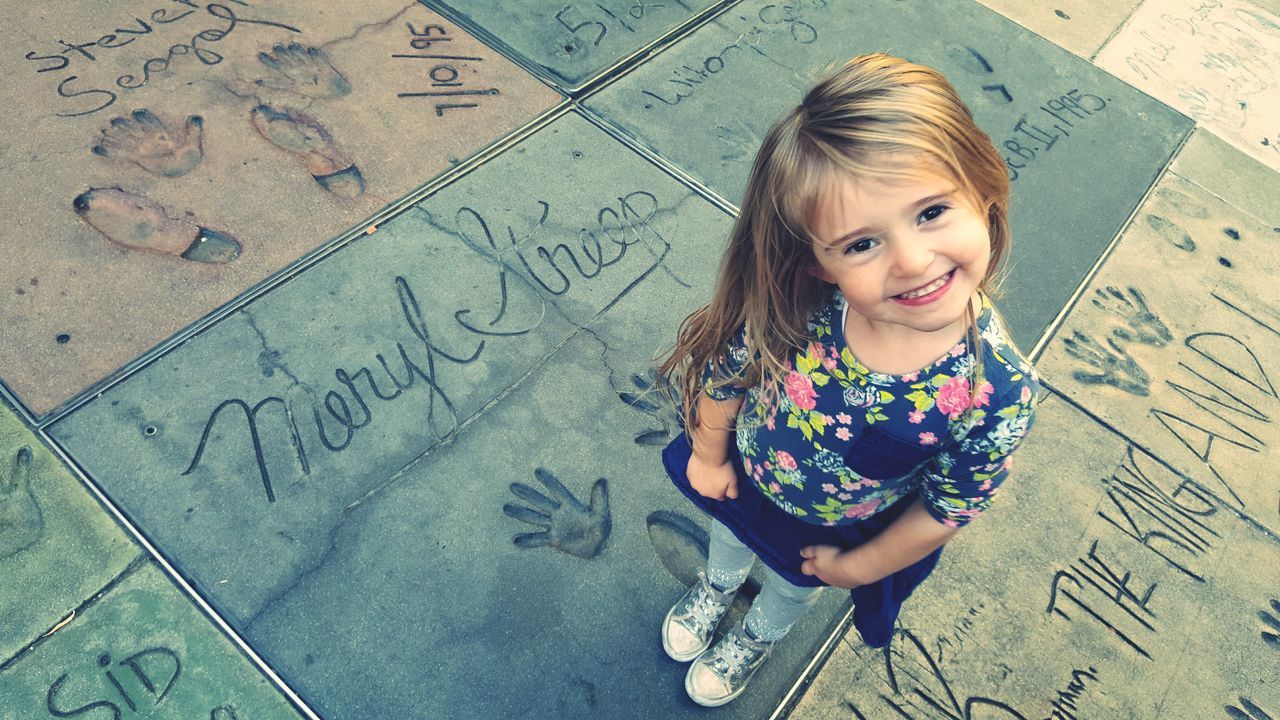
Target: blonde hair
{"x": 877, "y": 117}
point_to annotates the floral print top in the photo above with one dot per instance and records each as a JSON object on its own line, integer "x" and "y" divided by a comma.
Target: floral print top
{"x": 842, "y": 442}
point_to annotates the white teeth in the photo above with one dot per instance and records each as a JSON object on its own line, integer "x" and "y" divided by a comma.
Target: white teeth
{"x": 927, "y": 288}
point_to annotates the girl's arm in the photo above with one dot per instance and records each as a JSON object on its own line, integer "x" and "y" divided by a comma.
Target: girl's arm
{"x": 709, "y": 470}
{"x": 904, "y": 542}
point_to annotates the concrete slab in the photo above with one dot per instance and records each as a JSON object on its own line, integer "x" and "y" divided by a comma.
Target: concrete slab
{"x": 1081, "y": 26}
{"x": 1218, "y": 62}
{"x": 171, "y": 157}
{"x": 57, "y": 545}
{"x": 1185, "y": 368}
{"x": 733, "y": 76}
{"x": 1236, "y": 178}
{"x": 531, "y": 296}
{"x": 1084, "y": 593}
{"x": 140, "y": 650}
{"x": 571, "y": 43}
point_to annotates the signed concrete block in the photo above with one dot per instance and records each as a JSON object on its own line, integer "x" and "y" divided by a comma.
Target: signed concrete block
{"x": 171, "y": 157}
{"x": 573, "y": 42}
{"x": 441, "y": 441}
{"x": 1216, "y": 61}
{"x": 1147, "y": 598}
{"x": 1222, "y": 170}
{"x": 57, "y": 545}
{"x": 1175, "y": 343}
{"x": 1055, "y": 117}
{"x": 1081, "y": 26}
{"x": 139, "y": 650}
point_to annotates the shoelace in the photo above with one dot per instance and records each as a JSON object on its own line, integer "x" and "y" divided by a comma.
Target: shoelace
{"x": 735, "y": 655}
{"x": 703, "y": 609}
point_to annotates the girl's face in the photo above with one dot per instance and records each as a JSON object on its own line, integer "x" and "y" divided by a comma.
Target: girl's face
{"x": 907, "y": 254}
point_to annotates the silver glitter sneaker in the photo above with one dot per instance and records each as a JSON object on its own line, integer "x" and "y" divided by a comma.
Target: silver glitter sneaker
{"x": 721, "y": 673}
{"x": 692, "y": 621}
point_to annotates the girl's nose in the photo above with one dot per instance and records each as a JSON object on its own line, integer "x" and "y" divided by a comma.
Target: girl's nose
{"x": 911, "y": 257}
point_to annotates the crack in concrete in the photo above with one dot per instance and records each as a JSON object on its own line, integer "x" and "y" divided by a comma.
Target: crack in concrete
{"x": 373, "y": 25}
{"x": 269, "y": 356}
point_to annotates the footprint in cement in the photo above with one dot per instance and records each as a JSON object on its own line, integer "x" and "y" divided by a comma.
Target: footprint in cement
{"x": 137, "y": 223}
{"x": 21, "y": 522}
{"x": 681, "y": 547}
{"x": 1144, "y": 326}
{"x": 223, "y": 712}
{"x": 1116, "y": 368}
{"x": 648, "y": 401}
{"x": 302, "y": 135}
{"x": 160, "y": 147}
{"x": 302, "y": 70}
{"x": 567, "y": 525}
{"x": 1172, "y": 232}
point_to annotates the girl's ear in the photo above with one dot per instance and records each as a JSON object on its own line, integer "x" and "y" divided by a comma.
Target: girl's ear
{"x": 821, "y": 273}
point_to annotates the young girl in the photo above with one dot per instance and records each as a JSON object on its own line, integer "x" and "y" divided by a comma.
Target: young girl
{"x": 850, "y": 353}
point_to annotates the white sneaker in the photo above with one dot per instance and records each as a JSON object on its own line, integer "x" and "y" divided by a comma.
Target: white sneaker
{"x": 721, "y": 673}
{"x": 692, "y": 621}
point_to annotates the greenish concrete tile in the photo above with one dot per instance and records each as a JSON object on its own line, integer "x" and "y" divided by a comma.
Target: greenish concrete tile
{"x": 57, "y": 545}
{"x": 1237, "y": 179}
{"x": 1218, "y": 62}
{"x": 704, "y": 104}
{"x": 1149, "y": 581}
{"x": 825, "y": 698}
{"x": 382, "y": 580}
{"x": 572, "y": 42}
{"x": 277, "y": 125}
{"x": 1081, "y": 26}
{"x": 1175, "y": 342}
{"x": 141, "y": 650}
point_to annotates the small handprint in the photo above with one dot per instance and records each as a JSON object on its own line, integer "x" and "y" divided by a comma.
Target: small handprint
{"x": 302, "y": 70}
{"x": 1117, "y": 368}
{"x": 161, "y": 147}
{"x": 1144, "y": 326}
{"x": 740, "y": 139}
{"x": 21, "y": 522}
{"x": 1271, "y": 619}
{"x": 648, "y": 402}
{"x": 567, "y": 524}
{"x": 1248, "y": 710}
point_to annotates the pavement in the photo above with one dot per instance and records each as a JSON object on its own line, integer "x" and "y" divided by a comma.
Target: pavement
{"x": 326, "y": 354}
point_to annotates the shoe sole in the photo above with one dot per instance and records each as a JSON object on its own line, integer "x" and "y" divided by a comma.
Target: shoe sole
{"x": 705, "y": 702}
{"x": 666, "y": 645}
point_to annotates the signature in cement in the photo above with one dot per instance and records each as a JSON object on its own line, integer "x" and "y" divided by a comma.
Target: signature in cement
{"x": 1144, "y": 326}
{"x": 566, "y": 523}
{"x": 1115, "y": 366}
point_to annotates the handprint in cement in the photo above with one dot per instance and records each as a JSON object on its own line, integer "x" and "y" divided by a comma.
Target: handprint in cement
{"x": 21, "y": 522}
{"x": 1115, "y": 366}
{"x": 302, "y": 70}
{"x": 566, "y": 524}
{"x": 1271, "y": 620}
{"x": 161, "y": 147}
{"x": 650, "y": 401}
{"x": 1143, "y": 325}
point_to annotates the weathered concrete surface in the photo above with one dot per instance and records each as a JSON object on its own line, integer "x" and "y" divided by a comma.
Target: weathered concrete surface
{"x": 1223, "y": 171}
{"x": 57, "y": 546}
{"x": 546, "y": 290}
{"x": 1175, "y": 342}
{"x": 572, "y": 42}
{"x": 1219, "y": 62}
{"x": 199, "y": 118}
{"x": 141, "y": 650}
{"x": 1081, "y": 26}
{"x": 1099, "y": 585}
{"x": 1056, "y": 117}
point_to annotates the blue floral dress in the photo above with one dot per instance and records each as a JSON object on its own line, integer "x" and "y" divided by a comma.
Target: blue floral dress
{"x": 839, "y": 443}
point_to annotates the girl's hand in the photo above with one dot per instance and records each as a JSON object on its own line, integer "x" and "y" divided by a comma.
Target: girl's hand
{"x": 830, "y": 565}
{"x": 715, "y": 481}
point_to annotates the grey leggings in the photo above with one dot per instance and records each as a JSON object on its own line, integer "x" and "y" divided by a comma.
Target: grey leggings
{"x": 779, "y": 604}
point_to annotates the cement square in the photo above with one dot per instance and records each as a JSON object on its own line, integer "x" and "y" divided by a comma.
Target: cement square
{"x": 57, "y": 545}
{"x": 704, "y": 103}
{"x": 1081, "y": 26}
{"x": 165, "y": 159}
{"x": 571, "y": 43}
{"x": 1218, "y": 62}
{"x": 141, "y": 649}
{"x": 1175, "y": 341}
{"x": 1150, "y": 605}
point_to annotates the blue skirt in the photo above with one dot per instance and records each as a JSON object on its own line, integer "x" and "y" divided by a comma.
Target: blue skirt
{"x": 777, "y": 537}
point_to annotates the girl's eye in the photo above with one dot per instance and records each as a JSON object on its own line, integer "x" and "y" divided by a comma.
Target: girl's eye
{"x": 933, "y": 212}
{"x": 861, "y": 246}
